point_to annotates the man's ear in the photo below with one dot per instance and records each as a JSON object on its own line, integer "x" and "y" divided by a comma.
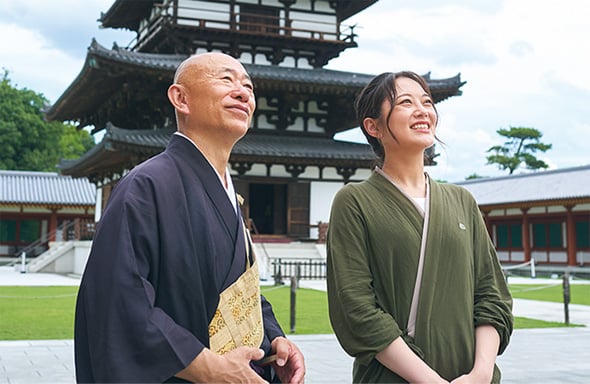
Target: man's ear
{"x": 370, "y": 126}
{"x": 177, "y": 97}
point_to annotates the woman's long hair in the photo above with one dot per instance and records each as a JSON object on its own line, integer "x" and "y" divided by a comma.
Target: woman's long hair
{"x": 371, "y": 98}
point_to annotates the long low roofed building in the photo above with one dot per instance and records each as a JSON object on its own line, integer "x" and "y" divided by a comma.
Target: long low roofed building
{"x": 39, "y": 207}
{"x": 541, "y": 216}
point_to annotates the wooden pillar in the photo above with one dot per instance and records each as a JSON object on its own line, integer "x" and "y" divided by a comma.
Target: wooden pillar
{"x": 526, "y": 236}
{"x": 76, "y": 229}
{"x": 570, "y": 231}
{"x": 52, "y": 225}
{"x": 322, "y": 232}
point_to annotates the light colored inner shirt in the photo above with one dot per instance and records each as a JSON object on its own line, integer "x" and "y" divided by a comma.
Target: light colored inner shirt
{"x": 421, "y": 201}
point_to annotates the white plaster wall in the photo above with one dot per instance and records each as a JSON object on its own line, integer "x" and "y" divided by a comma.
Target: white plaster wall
{"x": 583, "y": 258}
{"x": 82, "y": 251}
{"x": 518, "y": 256}
{"x": 321, "y": 196}
{"x": 72, "y": 261}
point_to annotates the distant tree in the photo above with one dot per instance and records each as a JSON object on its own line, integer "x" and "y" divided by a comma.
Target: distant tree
{"x": 519, "y": 149}
{"x": 474, "y": 176}
{"x": 27, "y": 141}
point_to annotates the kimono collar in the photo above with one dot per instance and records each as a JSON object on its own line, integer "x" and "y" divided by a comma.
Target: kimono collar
{"x": 230, "y": 190}
{"x": 419, "y": 206}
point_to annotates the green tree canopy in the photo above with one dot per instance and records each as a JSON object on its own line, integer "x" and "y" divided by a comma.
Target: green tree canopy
{"x": 519, "y": 149}
{"x": 27, "y": 141}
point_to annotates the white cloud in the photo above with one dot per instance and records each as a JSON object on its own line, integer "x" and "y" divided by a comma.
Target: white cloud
{"x": 525, "y": 63}
{"x": 34, "y": 63}
{"x": 44, "y": 47}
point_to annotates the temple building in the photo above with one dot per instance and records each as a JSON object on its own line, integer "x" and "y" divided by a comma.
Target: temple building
{"x": 289, "y": 165}
{"x": 540, "y": 218}
{"x": 39, "y": 208}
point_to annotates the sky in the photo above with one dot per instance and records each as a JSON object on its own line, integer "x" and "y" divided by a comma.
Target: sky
{"x": 525, "y": 64}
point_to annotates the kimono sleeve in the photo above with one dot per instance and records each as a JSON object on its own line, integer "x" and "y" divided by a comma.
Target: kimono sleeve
{"x": 272, "y": 329}
{"x": 120, "y": 335}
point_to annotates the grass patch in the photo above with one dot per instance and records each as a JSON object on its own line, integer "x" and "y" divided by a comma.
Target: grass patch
{"x": 579, "y": 293}
{"x": 311, "y": 310}
{"x": 37, "y": 313}
{"x": 311, "y": 313}
{"x": 43, "y": 313}
{"x": 527, "y": 323}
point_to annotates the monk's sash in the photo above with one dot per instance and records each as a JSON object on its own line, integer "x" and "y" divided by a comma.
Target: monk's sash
{"x": 238, "y": 318}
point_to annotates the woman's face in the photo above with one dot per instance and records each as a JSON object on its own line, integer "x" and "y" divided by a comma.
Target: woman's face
{"x": 412, "y": 121}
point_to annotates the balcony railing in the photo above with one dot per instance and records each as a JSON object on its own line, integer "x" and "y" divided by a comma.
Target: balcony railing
{"x": 169, "y": 13}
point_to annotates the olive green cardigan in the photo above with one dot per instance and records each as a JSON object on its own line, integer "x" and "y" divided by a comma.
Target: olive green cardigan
{"x": 373, "y": 250}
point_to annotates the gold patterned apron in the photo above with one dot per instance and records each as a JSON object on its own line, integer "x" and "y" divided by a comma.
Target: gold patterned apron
{"x": 238, "y": 318}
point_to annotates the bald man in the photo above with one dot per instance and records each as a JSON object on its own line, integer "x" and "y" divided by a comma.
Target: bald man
{"x": 171, "y": 256}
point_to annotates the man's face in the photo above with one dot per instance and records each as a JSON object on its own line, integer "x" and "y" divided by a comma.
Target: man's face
{"x": 221, "y": 96}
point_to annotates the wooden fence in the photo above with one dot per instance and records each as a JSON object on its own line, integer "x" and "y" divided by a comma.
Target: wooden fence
{"x": 301, "y": 269}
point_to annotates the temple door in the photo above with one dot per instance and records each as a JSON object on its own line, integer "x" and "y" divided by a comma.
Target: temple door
{"x": 298, "y": 200}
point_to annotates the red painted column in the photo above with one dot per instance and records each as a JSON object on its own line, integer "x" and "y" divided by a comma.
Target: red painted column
{"x": 526, "y": 236}
{"x": 570, "y": 230}
{"x": 52, "y": 225}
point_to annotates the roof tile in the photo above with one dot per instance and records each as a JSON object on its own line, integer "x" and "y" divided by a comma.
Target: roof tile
{"x": 27, "y": 187}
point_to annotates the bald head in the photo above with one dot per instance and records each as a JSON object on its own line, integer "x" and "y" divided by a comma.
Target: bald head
{"x": 213, "y": 97}
{"x": 202, "y": 61}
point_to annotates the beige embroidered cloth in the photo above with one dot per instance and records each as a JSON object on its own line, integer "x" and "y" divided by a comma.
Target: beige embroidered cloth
{"x": 238, "y": 319}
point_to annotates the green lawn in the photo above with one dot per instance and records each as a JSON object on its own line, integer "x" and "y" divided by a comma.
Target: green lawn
{"x": 311, "y": 309}
{"x": 311, "y": 312}
{"x": 36, "y": 313}
{"x": 579, "y": 293}
{"x": 525, "y": 322}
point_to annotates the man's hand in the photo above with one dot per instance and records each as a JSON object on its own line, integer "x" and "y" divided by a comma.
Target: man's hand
{"x": 232, "y": 367}
{"x": 289, "y": 365}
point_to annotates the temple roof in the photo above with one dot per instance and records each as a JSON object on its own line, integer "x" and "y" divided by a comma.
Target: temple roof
{"x": 129, "y": 147}
{"x": 45, "y": 188}
{"x": 529, "y": 189}
{"x": 107, "y": 72}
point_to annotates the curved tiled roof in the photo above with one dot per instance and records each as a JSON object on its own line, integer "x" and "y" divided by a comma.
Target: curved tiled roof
{"x": 76, "y": 101}
{"x": 42, "y": 188}
{"x": 541, "y": 186}
{"x": 256, "y": 145}
{"x": 302, "y": 147}
{"x": 126, "y": 146}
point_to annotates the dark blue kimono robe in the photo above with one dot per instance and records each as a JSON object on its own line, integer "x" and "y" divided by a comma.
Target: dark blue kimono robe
{"x": 168, "y": 243}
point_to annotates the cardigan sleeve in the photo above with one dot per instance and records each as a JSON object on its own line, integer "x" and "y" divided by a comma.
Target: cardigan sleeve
{"x": 493, "y": 302}
{"x": 361, "y": 326}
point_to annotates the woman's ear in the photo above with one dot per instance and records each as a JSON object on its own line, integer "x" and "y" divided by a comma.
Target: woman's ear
{"x": 371, "y": 128}
{"x": 177, "y": 97}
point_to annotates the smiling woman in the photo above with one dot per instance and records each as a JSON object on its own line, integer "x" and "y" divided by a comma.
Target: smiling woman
{"x": 404, "y": 251}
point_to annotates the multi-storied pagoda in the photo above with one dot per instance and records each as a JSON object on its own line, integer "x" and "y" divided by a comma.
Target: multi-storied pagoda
{"x": 289, "y": 165}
